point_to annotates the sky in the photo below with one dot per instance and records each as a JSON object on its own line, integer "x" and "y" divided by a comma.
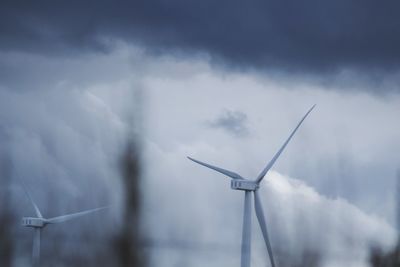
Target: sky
{"x": 224, "y": 82}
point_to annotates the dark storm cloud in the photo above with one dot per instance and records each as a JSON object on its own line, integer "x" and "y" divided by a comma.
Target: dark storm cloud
{"x": 233, "y": 122}
{"x": 310, "y": 35}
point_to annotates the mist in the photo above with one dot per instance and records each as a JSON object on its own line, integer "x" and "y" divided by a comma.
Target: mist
{"x": 115, "y": 129}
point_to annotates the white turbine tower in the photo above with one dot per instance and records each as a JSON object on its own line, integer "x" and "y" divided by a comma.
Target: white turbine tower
{"x": 39, "y": 222}
{"x": 249, "y": 187}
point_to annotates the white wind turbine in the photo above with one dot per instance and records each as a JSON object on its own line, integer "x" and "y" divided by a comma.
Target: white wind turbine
{"x": 249, "y": 187}
{"x": 39, "y": 222}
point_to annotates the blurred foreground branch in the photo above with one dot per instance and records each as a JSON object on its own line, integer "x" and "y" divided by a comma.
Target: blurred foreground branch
{"x": 128, "y": 242}
{"x": 6, "y": 217}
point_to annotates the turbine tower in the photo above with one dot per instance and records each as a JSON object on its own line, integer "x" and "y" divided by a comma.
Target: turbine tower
{"x": 39, "y": 222}
{"x": 251, "y": 187}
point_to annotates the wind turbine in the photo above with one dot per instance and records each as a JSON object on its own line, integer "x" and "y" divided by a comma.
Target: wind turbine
{"x": 249, "y": 187}
{"x": 39, "y": 222}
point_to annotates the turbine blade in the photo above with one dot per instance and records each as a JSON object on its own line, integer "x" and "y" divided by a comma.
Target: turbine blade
{"x": 263, "y": 225}
{"x": 220, "y": 170}
{"x": 269, "y": 165}
{"x": 37, "y": 211}
{"x": 36, "y": 247}
{"x": 68, "y": 217}
{"x": 246, "y": 232}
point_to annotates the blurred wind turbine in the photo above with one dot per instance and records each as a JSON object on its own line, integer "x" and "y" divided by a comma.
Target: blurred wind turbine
{"x": 249, "y": 186}
{"x": 39, "y": 222}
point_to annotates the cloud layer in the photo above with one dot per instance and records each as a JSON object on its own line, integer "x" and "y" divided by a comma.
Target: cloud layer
{"x": 233, "y": 122}
{"x": 65, "y": 133}
{"x": 64, "y": 136}
{"x": 305, "y": 36}
{"x": 344, "y": 157}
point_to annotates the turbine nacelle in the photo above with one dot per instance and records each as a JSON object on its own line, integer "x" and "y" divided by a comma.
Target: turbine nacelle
{"x": 33, "y": 222}
{"x": 244, "y": 185}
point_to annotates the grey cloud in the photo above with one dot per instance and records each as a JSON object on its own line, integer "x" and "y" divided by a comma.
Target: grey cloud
{"x": 64, "y": 138}
{"x": 309, "y": 36}
{"x": 232, "y": 122}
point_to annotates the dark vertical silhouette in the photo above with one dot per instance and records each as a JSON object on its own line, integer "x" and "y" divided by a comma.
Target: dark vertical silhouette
{"x": 398, "y": 203}
{"x": 128, "y": 247}
{"x": 379, "y": 258}
{"x": 129, "y": 242}
{"x": 6, "y": 216}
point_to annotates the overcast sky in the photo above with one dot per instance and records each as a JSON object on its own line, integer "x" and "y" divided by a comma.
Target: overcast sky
{"x": 224, "y": 82}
